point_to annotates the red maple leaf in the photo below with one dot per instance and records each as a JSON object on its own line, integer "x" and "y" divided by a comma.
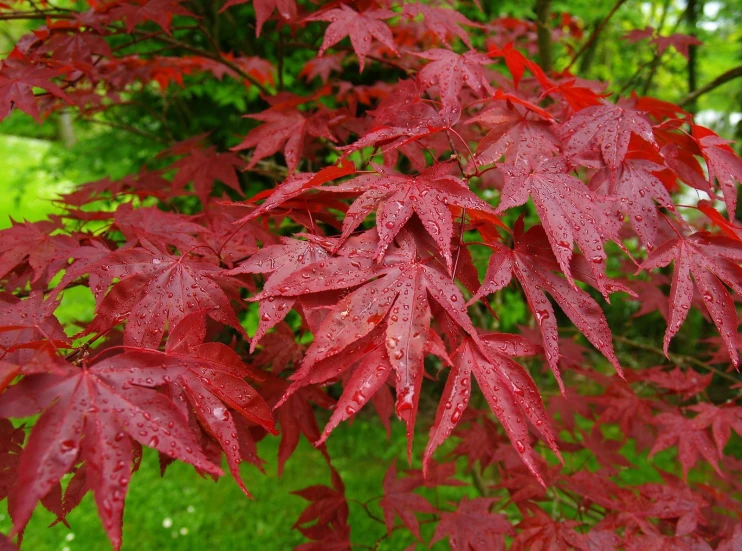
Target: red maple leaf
{"x": 538, "y": 530}
{"x": 517, "y": 63}
{"x": 437, "y": 474}
{"x": 514, "y": 130}
{"x": 295, "y": 415}
{"x": 686, "y": 383}
{"x": 449, "y": 72}
{"x": 569, "y": 212}
{"x": 96, "y": 414}
{"x": 681, "y": 42}
{"x": 393, "y": 310}
{"x": 395, "y": 198}
{"x": 478, "y": 442}
{"x": 17, "y": 80}
{"x": 635, "y": 35}
{"x": 689, "y": 435}
{"x": 328, "y": 504}
{"x": 723, "y": 421}
{"x": 26, "y": 325}
{"x": 203, "y": 167}
{"x": 724, "y": 166}
{"x": 359, "y": 27}
{"x": 322, "y": 67}
{"x": 619, "y": 404}
{"x": 443, "y": 23}
{"x": 278, "y": 349}
{"x": 601, "y": 133}
{"x": 400, "y": 120}
{"x": 210, "y": 377}
{"x": 285, "y": 128}
{"x": 508, "y": 389}
{"x": 533, "y": 265}
{"x": 674, "y": 501}
{"x": 167, "y": 228}
{"x": 264, "y": 8}
{"x": 135, "y": 12}
{"x": 399, "y": 501}
{"x": 37, "y": 244}
{"x": 473, "y": 527}
{"x": 154, "y": 288}
{"x": 279, "y": 261}
{"x": 636, "y": 186}
{"x": 711, "y": 260}
{"x": 76, "y": 49}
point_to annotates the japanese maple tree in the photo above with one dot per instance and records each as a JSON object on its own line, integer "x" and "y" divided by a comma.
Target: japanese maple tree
{"x": 352, "y": 243}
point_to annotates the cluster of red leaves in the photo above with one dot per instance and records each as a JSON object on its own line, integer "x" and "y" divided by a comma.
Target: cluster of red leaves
{"x": 379, "y": 297}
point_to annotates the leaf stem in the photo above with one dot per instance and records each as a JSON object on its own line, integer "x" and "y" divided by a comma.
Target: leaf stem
{"x": 595, "y": 34}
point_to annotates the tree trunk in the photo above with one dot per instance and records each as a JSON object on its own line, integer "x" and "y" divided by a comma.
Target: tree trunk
{"x": 65, "y": 130}
{"x": 692, "y": 12}
{"x": 543, "y": 30}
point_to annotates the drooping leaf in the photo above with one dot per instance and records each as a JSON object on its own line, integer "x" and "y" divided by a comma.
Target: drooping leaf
{"x": 723, "y": 165}
{"x": 265, "y": 8}
{"x": 712, "y": 261}
{"x": 510, "y": 393}
{"x": 569, "y": 212}
{"x": 93, "y": 414}
{"x": 533, "y": 264}
{"x": 17, "y": 80}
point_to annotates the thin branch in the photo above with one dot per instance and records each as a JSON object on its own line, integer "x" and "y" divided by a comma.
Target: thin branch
{"x": 455, "y": 155}
{"x": 127, "y": 128}
{"x": 479, "y": 482}
{"x": 281, "y": 53}
{"x": 575, "y": 504}
{"x": 35, "y": 15}
{"x": 212, "y": 41}
{"x": 677, "y": 358}
{"x": 595, "y": 34}
{"x": 218, "y": 58}
{"x": 461, "y": 240}
{"x": 691, "y": 19}
{"x": 368, "y": 512}
{"x": 731, "y": 74}
{"x": 388, "y": 62}
{"x": 658, "y": 57}
{"x": 636, "y": 74}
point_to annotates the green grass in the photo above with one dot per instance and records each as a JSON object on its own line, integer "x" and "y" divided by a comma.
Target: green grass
{"x": 184, "y": 512}
{"x": 26, "y": 187}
